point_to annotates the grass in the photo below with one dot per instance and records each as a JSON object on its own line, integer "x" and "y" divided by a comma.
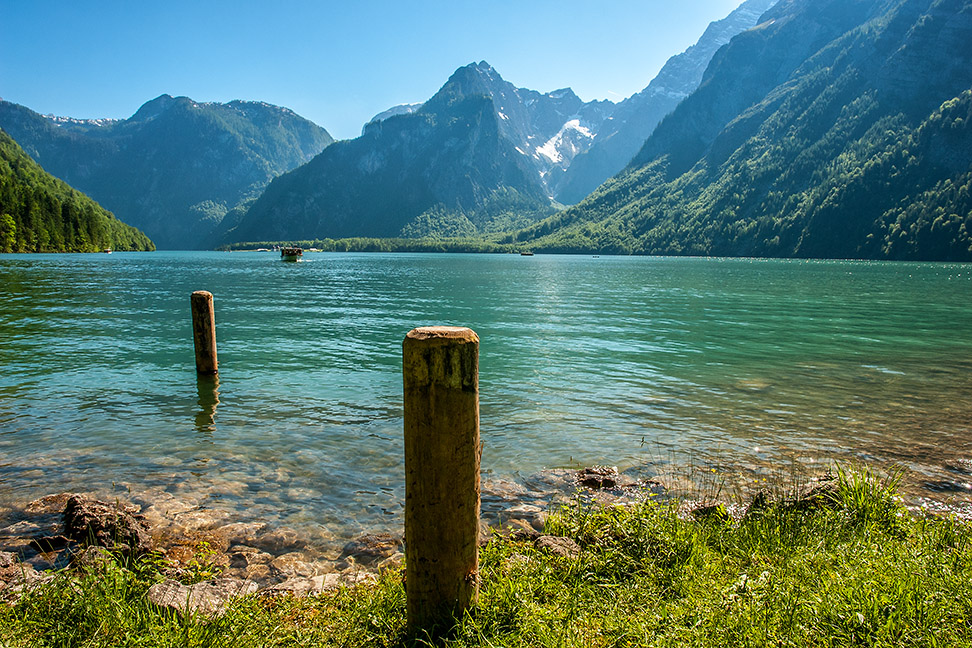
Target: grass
{"x": 848, "y": 567}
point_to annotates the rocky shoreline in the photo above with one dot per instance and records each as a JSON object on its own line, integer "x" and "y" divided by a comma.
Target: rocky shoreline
{"x": 227, "y": 557}
{"x": 223, "y": 558}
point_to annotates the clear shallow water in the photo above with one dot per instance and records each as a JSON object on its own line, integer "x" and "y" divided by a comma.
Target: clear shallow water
{"x": 743, "y": 364}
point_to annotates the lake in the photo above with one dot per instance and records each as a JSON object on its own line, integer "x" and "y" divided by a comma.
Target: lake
{"x": 742, "y": 368}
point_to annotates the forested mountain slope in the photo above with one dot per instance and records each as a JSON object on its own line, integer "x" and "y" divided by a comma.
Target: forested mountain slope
{"x": 836, "y": 128}
{"x": 39, "y": 213}
{"x": 634, "y": 119}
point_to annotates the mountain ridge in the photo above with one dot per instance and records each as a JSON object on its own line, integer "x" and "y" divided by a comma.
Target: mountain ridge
{"x": 809, "y": 137}
{"x": 176, "y": 167}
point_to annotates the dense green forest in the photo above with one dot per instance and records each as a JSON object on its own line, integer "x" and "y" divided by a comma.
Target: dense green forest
{"x": 839, "y": 129}
{"x": 39, "y": 213}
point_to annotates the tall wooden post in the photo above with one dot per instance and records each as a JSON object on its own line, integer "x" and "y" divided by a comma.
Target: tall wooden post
{"x": 442, "y": 453}
{"x": 204, "y": 331}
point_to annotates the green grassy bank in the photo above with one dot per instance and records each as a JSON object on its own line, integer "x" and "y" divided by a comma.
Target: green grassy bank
{"x": 845, "y": 566}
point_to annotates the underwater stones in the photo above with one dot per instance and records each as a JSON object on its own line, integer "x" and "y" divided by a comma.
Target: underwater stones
{"x": 201, "y": 518}
{"x": 292, "y": 564}
{"x": 240, "y": 533}
{"x": 88, "y": 521}
{"x": 278, "y": 540}
{"x": 243, "y": 557}
{"x": 208, "y": 598}
{"x": 753, "y": 385}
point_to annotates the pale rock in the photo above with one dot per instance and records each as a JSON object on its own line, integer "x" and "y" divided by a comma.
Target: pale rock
{"x": 558, "y": 546}
{"x": 208, "y": 598}
{"x": 49, "y": 504}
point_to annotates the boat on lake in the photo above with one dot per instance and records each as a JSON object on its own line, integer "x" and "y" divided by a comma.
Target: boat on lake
{"x": 527, "y": 253}
{"x": 291, "y": 253}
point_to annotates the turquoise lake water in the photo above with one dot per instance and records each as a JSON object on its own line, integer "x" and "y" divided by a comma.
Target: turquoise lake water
{"x": 744, "y": 366}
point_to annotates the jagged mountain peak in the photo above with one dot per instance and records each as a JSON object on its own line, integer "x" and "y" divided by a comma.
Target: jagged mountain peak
{"x": 548, "y": 129}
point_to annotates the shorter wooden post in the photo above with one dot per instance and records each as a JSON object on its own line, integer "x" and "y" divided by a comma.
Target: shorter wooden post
{"x": 204, "y": 331}
{"x": 442, "y": 453}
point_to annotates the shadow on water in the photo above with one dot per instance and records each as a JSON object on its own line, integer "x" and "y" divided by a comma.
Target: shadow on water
{"x": 208, "y": 390}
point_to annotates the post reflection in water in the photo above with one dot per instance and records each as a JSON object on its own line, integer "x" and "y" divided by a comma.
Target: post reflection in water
{"x": 208, "y": 389}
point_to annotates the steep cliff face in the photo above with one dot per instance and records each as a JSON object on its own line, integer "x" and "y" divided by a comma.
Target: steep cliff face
{"x": 444, "y": 170}
{"x": 176, "y": 167}
{"x": 632, "y": 122}
{"x": 837, "y": 128}
{"x": 547, "y": 129}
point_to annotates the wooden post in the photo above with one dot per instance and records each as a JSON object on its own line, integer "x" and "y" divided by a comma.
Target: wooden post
{"x": 204, "y": 331}
{"x": 442, "y": 453}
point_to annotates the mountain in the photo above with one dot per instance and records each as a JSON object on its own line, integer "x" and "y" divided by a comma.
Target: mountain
{"x": 443, "y": 170}
{"x": 562, "y": 147}
{"x": 39, "y": 213}
{"x": 473, "y": 159}
{"x": 835, "y": 128}
{"x": 547, "y": 129}
{"x": 634, "y": 119}
{"x": 177, "y": 167}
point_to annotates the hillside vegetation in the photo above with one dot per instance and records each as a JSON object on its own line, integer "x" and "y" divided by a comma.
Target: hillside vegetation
{"x": 837, "y": 128}
{"x": 39, "y": 213}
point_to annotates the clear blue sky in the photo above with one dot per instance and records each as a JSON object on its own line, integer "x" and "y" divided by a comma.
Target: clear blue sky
{"x": 336, "y": 63}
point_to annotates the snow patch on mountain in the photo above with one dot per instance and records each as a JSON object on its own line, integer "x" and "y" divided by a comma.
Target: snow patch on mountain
{"x": 573, "y": 138}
